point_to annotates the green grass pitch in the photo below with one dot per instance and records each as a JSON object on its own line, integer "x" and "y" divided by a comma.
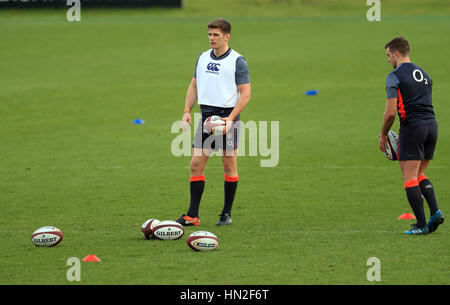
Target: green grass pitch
{"x": 71, "y": 158}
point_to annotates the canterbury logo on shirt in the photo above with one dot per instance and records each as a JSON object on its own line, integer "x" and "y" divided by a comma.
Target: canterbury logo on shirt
{"x": 213, "y": 67}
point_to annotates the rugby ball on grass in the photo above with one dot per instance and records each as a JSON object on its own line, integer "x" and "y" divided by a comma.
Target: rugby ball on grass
{"x": 47, "y": 236}
{"x": 202, "y": 241}
{"x": 147, "y": 227}
{"x": 214, "y": 125}
{"x": 168, "y": 229}
{"x": 391, "y": 151}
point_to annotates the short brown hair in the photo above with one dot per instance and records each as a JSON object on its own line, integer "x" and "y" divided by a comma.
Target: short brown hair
{"x": 221, "y": 24}
{"x": 399, "y": 44}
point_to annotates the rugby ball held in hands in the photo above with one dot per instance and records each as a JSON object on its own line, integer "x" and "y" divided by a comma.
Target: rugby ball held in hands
{"x": 148, "y": 226}
{"x": 47, "y": 236}
{"x": 168, "y": 229}
{"x": 202, "y": 241}
{"x": 391, "y": 151}
{"x": 214, "y": 125}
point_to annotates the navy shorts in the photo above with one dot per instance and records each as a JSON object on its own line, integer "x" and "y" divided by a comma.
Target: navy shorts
{"x": 418, "y": 142}
{"x": 229, "y": 141}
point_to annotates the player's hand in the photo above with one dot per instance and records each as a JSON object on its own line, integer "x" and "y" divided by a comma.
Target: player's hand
{"x": 186, "y": 118}
{"x": 228, "y": 123}
{"x": 382, "y": 141}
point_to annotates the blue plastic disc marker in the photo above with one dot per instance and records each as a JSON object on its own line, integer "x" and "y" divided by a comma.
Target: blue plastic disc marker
{"x": 138, "y": 121}
{"x": 312, "y": 92}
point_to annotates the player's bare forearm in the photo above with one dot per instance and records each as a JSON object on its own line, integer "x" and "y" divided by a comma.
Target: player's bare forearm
{"x": 244, "y": 98}
{"x": 191, "y": 96}
{"x": 389, "y": 115}
{"x": 388, "y": 121}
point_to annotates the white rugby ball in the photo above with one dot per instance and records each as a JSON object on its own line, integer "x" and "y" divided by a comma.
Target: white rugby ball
{"x": 214, "y": 125}
{"x": 168, "y": 229}
{"x": 202, "y": 241}
{"x": 148, "y": 226}
{"x": 391, "y": 151}
{"x": 47, "y": 236}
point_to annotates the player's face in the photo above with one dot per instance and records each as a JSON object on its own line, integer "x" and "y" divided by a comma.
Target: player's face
{"x": 391, "y": 58}
{"x": 217, "y": 39}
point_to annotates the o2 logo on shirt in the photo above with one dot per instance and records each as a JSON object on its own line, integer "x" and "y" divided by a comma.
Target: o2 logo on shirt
{"x": 213, "y": 67}
{"x": 418, "y": 76}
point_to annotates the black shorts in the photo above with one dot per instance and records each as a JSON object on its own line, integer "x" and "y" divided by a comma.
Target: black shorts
{"x": 228, "y": 141}
{"x": 417, "y": 143}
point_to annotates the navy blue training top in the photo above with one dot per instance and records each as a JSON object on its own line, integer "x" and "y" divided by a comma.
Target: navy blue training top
{"x": 412, "y": 87}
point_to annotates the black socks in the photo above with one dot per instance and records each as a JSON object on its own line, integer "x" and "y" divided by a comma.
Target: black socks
{"x": 415, "y": 199}
{"x": 197, "y": 184}
{"x": 428, "y": 192}
{"x": 230, "y": 187}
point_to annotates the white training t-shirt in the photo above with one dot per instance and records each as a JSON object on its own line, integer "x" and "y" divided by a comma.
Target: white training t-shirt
{"x": 216, "y": 81}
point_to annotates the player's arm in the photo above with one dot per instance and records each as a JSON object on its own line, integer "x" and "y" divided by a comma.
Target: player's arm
{"x": 388, "y": 121}
{"x": 389, "y": 115}
{"x": 244, "y": 89}
{"x": 191, "y": 98}
{"x": 392, "y": 83}
{"x": 244, "y": 98}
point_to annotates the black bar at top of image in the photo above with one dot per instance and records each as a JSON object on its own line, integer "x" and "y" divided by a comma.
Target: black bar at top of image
{"x": 90, "y": 3}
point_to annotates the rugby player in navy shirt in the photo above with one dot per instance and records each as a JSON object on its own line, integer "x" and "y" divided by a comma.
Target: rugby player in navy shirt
{"x": 408, "y": 92}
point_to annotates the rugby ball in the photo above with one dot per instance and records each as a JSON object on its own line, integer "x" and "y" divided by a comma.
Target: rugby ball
{"x": 47, "y": 236}
{"x": 168, "y": 229}
{"x": 391, "y": 151}
{"x": 202, "y": 241}
{"x": 214, "y": 125}
{"x": 147, "y": 227}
